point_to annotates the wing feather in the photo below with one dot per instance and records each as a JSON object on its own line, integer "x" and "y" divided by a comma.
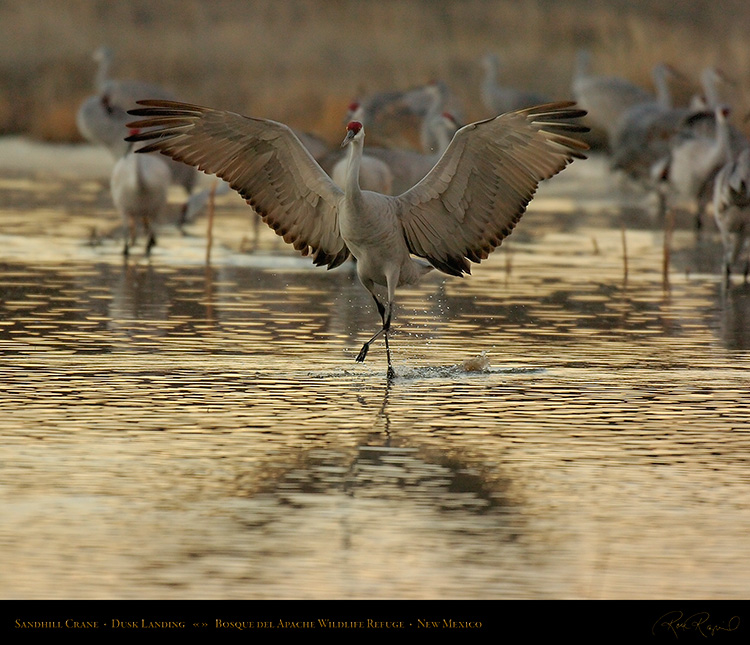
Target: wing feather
{"x": 474, "y": 196}
{"x": 262, "y": 160}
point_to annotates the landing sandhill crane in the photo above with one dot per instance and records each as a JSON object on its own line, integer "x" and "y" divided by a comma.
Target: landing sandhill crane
{"x": 731, "y": 202}
{"x": 694, "y": 161}
{"x": 497, "y": 98}
{"x": 460, "y": 212}
{"x": 605, "y": 98}
{"x": 139, "y": 186}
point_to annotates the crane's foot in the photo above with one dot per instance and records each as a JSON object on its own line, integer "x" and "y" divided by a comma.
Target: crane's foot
{"x": 391, "y": 374}
{"x": 363, "y": 353}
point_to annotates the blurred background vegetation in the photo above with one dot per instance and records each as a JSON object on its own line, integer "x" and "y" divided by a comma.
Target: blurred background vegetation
{"x": 303, "y": 61}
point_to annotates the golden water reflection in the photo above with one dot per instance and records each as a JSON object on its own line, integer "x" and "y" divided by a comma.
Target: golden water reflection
{"x": 176, "y": 431}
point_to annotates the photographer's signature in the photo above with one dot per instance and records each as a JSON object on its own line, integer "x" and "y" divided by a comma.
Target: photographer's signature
{"x": 676, "y": 623}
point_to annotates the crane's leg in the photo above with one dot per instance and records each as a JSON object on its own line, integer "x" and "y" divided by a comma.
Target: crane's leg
{"x": 385, "y": 315}
{"x": 150, "y": 236}
{"x": 130, "y": 235}
{"x": 391, "y": 373}
{"x": 383, "y": 330}
{"x": 150, "y": 244}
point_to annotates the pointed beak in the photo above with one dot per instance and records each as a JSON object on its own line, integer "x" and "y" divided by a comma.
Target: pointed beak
{"x": 349, "y": 136}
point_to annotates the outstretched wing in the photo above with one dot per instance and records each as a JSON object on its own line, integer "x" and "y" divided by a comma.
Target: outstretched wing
{"x": 479, "y": 189}
{"x": 262, "y": 160}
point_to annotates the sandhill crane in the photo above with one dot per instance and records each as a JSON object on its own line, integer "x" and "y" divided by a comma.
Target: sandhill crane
{"x": 139, "y": 185}
{"x": 692, "y": 165}
{"x": 605, "y": 98}
{"x": 431, "y": 130}
{"x": 711, "y": 79}
{"x": 103, "y": 124}
{"x": 122, "y": 92}
{"x": 460, "y": 212}
{"x": 497, "y": 98}
{"x": 731, "y": 202}
{"x": 646, "y": 129}
{"x": 703, "y": 116}
{"x": 102, "y": 117}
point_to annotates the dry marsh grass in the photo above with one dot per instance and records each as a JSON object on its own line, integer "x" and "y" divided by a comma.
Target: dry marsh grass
{"x": 302, "y": 61}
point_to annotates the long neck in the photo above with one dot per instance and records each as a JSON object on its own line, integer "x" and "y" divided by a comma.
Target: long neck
{"x": 443, "y": 133}
{"x": 722, "y": 149}
{"x": 353, "y": 163}
{"x": 102, "y": 72}
{"x": 709, "y": 82}
{"x": 583, "y": 64}
{"x": 136, "y": 163}
{"x": 432, "y": 124}
{"x": 663, "y": 93}
{"x": 491, "y": 66}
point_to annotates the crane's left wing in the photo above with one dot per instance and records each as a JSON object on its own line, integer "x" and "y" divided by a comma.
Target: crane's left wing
{"x": 262, "y": 160}
{"x": 474, "y": 196}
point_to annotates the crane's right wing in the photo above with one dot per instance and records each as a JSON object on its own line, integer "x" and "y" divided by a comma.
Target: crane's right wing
{"x": 262, "y": 160}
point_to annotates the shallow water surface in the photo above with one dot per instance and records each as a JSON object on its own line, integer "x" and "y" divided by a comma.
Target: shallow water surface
{"x": 176, "y": 430}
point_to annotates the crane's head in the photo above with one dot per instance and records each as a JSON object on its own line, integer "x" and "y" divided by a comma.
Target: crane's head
{"x": 354, "y": 130}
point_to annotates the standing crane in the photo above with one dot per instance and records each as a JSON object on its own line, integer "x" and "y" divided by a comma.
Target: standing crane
{"x": 459, "y": 213}
{"x": 139, "y": 185}
{"x": 694, "y": 161}
{"x": 646, "y": 129}
{"x": 731, "y": 201}
{"x": 102, "y": 117}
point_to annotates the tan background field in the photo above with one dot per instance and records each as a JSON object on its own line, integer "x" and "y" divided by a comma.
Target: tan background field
{"x": 302, "y": 61}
